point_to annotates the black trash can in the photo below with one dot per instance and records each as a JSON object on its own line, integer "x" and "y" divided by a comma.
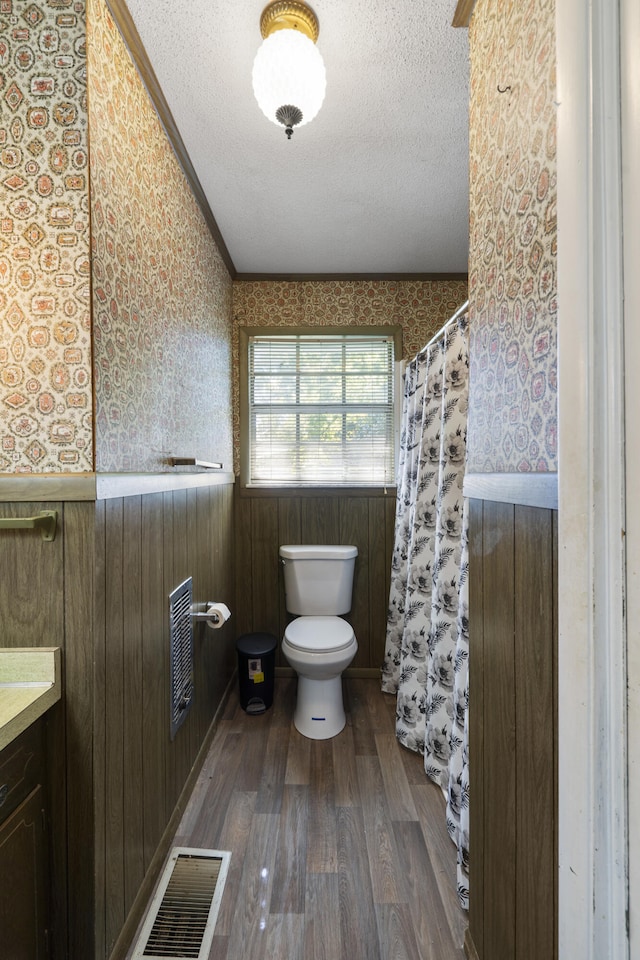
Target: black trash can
{"x": 256, "y": 671}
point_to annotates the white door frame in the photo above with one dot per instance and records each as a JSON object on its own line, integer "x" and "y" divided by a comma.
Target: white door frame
{"x": 592, "y": 667}
{"x": 630, "y": 75}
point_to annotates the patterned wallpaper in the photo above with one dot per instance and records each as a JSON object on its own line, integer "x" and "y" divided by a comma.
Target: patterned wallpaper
{"x": 512, "y": 255}
{"x": 162, "y": 297}
{"x": 161, "y": 292}
{"x": 45, "y": 341}
{"x": 421, "y": 307}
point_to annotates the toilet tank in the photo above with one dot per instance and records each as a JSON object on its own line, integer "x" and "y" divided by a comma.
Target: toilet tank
{"x": 318, "y": 579}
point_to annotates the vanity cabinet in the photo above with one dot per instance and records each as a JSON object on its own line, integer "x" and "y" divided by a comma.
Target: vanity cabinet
{"x": 24, "y": 907}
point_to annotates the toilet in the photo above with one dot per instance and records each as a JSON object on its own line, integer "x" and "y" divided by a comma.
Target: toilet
{"x": 319, "y": 644}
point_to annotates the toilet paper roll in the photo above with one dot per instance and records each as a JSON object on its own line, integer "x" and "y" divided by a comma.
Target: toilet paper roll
{"x": 220, "y": 613}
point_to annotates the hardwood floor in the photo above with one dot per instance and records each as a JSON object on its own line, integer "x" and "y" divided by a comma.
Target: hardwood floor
{"x": 339, "y": 847}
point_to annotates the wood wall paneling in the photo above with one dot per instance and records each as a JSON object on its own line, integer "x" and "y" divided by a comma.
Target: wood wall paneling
{"x": 554, "y": 654}
{"x": 32, "y": 614}
{"x": 512, "y": 740}
{"x": 378, "y": 561}
{"x": 192, "y": 542}
{"x": 114, "y": 724}
{"x": 264, "y": 565}
{"x": 320, "y": 520}
{"x": 203, "y": 566}
{"x": 499, "y": 731}
{"x": 390, "y": 524}
{"x": 193, "y": 568}
{"x": 289, "y": 531}
{"x": 289, "y": 520}
{"x": 244, "y": 616}
{"x": 100, "y": 591}
{"x": 76, "y": 787}
{"x": 223, "y": 661}
{"x": 170, "y": 582}
{"x": 476, "y": 729}
{"x": 556, "y": 864}
{"x": 133, "y": 720}
{"x": 354, "y": 528}
{"x": 31, "y": 569}
{"x": 153, "y": 543}
{"x": 380, "y": 550}
{"x": 534, "y": 713}
{"x": 214, "y": 650}
{"x": 99, "y": 728}
{"x": 45, "y": 600}
{"x": 155, "y": 708}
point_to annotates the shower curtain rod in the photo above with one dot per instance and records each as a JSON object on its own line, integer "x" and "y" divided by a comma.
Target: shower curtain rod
{"x": 442, "y": 329}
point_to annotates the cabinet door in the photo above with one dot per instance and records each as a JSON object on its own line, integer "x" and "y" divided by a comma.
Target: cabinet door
{"x": 23, "y": 890}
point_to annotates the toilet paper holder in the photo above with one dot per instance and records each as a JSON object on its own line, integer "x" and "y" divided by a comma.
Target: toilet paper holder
{"x": 214, "y": 613}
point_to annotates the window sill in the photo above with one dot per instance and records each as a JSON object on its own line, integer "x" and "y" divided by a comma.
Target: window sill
{"x": 293, "y": 491}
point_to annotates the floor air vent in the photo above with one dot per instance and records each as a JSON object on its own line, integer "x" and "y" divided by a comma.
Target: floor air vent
{"x": 182, "y": 916}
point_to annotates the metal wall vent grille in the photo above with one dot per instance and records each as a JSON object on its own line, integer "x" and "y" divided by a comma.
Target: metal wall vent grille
{"x": 181, "y": 655}
{"x": 182, "y": 916}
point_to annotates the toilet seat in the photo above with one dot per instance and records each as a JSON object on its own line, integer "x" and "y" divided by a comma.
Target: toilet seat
{"x": 319, "y": 634}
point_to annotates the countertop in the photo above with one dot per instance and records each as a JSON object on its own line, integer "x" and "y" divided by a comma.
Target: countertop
{"x": 30, "y": 683}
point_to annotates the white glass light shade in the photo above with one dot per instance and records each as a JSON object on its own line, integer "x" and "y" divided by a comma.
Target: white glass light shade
{"x": 289, "y": 71}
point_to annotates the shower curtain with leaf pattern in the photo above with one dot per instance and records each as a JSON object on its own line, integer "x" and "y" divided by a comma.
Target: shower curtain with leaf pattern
{"x": 427, "y": 643}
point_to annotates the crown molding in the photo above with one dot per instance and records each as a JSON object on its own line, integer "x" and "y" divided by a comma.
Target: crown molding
{"x": 297, "y": 277}
{"x": 463, "y": 12}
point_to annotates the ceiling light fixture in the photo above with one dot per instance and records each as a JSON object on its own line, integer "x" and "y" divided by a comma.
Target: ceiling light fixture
{"x": 288, "y": 72}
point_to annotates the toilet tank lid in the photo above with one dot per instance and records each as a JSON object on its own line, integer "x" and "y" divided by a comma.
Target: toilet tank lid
{"x": 318, "y": 551}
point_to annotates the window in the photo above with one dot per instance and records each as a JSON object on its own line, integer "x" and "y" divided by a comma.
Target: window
{"x": 319, "y": 408}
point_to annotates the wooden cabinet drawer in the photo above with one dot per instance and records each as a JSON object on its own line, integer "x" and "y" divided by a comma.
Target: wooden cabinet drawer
{"x": 21, "y": 768}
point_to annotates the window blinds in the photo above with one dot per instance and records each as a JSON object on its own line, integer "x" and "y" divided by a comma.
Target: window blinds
{"x": 321, "y": 410}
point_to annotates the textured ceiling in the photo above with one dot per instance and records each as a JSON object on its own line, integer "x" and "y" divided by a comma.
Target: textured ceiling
{"x": 377, "y": 183}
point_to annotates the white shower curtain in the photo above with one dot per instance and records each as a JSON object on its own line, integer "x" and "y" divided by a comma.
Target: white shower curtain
{"x": 427, "y": 645}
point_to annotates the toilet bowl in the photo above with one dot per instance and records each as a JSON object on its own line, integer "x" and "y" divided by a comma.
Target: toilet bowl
{"x": 319, "y": 644}
{"x": 319, "y": 649}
